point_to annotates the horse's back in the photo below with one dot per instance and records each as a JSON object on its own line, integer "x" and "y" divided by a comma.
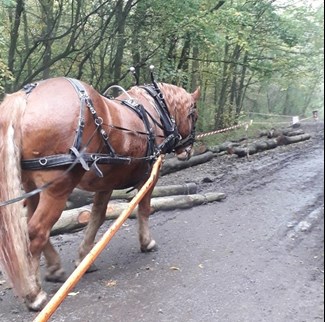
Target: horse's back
{"x": 52, "y": 117}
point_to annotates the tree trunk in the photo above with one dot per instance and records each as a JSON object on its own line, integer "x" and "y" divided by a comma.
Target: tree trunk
{"x": 14, "y": 35}
{"x": 223, "y": 92}
{"x": 183, "y": 64}
{"x": 195, "y": 69}
{"x": 47, "y": 34}
{"x": 241, "y": 87}
{"x": 121, "y": 15}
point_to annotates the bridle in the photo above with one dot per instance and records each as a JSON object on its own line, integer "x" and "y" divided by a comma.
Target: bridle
{"x": 188, "y": 142}
{"x": 173, "y": 139}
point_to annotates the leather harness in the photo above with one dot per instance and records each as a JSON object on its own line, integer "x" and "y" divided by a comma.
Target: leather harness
{"x": 89, "y": 161}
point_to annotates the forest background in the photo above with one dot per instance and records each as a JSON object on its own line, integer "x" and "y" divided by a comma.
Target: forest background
{"x": 249, "y": 57}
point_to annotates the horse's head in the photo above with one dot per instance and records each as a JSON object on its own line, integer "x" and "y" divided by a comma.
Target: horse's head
{"x": 183, "y": 108}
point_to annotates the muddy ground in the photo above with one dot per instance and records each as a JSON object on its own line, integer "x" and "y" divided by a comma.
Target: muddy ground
{"x": 256, "y": 256}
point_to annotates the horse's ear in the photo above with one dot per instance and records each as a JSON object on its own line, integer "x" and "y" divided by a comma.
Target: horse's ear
{"x": 196, "y": 95}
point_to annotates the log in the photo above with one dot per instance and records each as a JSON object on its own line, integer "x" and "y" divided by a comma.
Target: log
{"x": 160, "y": 191}
{"x": 273, "y": 133}
{"x": 241, "y": 152}
{"x": 260, "y": 146}
{"x": 226, "y": 145}
{"x": 173, "y": 165}
{"x": 271, "y": 143}
{"x": 215, "y": 149}
{"x": 80, "y": 198}
{"x": 285, "y": 140}
{"x": 75, "y": 219}
{"x": 291, "y": 132}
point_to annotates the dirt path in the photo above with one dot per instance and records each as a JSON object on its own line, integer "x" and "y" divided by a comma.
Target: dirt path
{"x": 257, "y": 256}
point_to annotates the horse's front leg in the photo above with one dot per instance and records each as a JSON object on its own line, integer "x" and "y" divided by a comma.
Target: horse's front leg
{"x": 147, "y": 243}
{"x": 97, "y": 218}
{"x": 54, "y": 271}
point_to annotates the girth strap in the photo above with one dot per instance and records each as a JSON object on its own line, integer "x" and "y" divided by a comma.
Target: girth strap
{"x": 67, "y": 159}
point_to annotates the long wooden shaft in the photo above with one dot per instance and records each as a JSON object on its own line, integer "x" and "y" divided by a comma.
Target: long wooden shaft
{"x": 74, "y": 278}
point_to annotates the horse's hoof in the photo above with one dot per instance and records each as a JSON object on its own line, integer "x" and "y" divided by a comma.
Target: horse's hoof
{"x": 91, "y": 269}
{"x": 56, "y": 276}
{"x": 150, "y": 247}
{"x": 38, "y": 303}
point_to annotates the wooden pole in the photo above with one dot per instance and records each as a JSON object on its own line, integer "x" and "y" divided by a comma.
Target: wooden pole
{"x": 74, "y": 278}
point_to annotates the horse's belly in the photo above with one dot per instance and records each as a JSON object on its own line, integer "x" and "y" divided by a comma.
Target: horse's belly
{"x": 115, "y": 177}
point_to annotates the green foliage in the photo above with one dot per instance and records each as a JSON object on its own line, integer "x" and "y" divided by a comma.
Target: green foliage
{"x": 5, "y": 77}
{"x": 247, "y": 55}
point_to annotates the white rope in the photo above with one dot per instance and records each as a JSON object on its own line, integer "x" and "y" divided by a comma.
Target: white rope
{"x": 202, "y": 135}
{"x": 246, "y": 125}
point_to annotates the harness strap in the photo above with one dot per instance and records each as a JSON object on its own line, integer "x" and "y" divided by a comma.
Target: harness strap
{"x": 67, "y": 159}
{"x": 168, "y": 123}
{"x": 86, "y": 101}
{"x": 82, "y": 96}
{"x": 142, "y": 113}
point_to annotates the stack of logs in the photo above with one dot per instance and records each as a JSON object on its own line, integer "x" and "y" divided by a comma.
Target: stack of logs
{"x": 77, "y": 214}
{"x": 241, "y": 148}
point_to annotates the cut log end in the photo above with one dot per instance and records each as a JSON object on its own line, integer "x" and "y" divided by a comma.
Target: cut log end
{"x": 84, "y": 217}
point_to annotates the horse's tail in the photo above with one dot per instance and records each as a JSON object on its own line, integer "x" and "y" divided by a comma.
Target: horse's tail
{"x": 14, "y": 240}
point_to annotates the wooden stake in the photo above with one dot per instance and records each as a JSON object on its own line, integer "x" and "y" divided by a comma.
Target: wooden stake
{"x": 74, "y": 278}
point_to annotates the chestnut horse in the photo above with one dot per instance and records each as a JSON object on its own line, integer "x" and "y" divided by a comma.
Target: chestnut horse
{"x": 59, "y": 134}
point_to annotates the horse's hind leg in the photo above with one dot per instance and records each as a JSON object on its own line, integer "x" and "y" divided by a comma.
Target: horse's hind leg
{"x": 97, "y": 218}
{"x": 46, "y": 214}
{"x": 147, "y": 243}
{"x": 54, "y": 272}
{"x": 37, "y": 299}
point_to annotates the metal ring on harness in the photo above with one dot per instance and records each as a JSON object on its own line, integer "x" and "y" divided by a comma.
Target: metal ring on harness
{"x": 43, "y": 162}
{"x": 99, "y": 121}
